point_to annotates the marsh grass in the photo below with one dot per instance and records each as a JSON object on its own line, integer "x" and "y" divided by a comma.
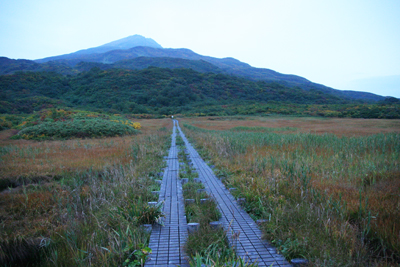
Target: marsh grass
{"x": 29, "y": 160}
{"x": 317, "y": 191}
{"x": 202, "y": 213}
{"x": 209, "y": 246}
{"x": 206, "y": 246}
{"x": 262, "y": 129}
{"x": 318, "y": 125}
{"x": 86, "y": 214}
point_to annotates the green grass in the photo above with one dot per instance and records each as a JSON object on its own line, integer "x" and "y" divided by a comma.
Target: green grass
{"x": 317, "y": 191}
{"x": 202, "y": 213}
{"x": 210, "y": 246}
{"x": 86, "y": 217}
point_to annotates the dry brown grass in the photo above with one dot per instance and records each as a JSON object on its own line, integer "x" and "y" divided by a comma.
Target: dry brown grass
{"x": 45, "y": 159}
{"x": 69, "y": 188}
{"x": 337, "y": 126}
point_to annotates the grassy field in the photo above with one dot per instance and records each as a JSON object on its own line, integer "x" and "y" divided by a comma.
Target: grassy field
{"x": 79, "y": 202}
{"x": 329, "y": 188}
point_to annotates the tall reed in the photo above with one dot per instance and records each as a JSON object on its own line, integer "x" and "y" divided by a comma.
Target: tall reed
{"x": 92, "y": 214}
{"x": 339, "y": 193}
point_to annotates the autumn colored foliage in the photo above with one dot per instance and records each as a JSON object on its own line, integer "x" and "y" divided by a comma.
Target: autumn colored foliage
{"x": 336, "y": 192}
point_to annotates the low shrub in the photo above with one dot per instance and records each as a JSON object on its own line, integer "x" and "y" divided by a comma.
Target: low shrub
{"x": 78, "y": 128}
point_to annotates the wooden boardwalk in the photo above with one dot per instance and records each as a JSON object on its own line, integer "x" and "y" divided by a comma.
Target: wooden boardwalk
{"x": 167, "y": 241}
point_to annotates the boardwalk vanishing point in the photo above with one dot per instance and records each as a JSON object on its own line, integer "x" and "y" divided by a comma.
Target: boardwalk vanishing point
{"x": 167, "y": 241}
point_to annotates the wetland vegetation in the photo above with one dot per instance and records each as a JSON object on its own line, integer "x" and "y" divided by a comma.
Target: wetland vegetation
{"x": 79, "y": 202}
{"x": 321, "y": 183}
{"x": 338, "y": 192}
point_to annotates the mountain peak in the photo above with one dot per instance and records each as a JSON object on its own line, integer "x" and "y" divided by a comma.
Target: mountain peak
{"x": 132, "y": 41}
{"x": 121, "y": 44}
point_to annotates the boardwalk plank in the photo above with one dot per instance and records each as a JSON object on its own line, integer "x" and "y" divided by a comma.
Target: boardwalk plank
{"x": 249, "y": 243}
{"x": 166, "y": 241}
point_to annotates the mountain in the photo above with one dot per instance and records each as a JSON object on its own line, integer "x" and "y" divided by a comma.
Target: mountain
{"x": 226, "y": 65}
{"x": 166, "y": 62}
{"x": 146, "y": 90}
{"x": 127, "y": 42}
{"x": 138, "y": 52}
{"x": 10, "y": 66}
{"x": 166, "y": 91}
{"x": 124, "y": 43}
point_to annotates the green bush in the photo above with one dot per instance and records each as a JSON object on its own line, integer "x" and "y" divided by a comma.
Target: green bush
{"x": 77, "y": 128}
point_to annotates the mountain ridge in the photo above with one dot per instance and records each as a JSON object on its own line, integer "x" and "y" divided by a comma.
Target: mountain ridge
{"x": 165, "y": 91}
{"x": 124, "y": 43}
{"x": 117, "y": 54}
{"x": 228, "y": 65}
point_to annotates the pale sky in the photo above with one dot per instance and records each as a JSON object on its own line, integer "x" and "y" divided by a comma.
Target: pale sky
{"x": 343, "y": 44}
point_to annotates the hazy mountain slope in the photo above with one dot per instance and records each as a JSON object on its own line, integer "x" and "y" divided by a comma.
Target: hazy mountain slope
{"x": 118, "y": 53}
{"x": 128, "y": 42}
{"x": 10, "y": 66}
{"x": 145, "y": 62}
{"x": 124, "y": 43}
{"x": 166, "y": 62}
{"x": 227, "y": 65}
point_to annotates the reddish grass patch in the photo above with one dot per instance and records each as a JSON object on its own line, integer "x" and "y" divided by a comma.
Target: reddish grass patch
{"x": 32, "y": 159}
{"x": 337, "y": 126}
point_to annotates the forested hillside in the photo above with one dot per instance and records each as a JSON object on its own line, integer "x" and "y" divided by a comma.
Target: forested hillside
{"x": 140, "y": 57}
{"x": 145, "y": 90}
{"x": 170, "y": 91}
